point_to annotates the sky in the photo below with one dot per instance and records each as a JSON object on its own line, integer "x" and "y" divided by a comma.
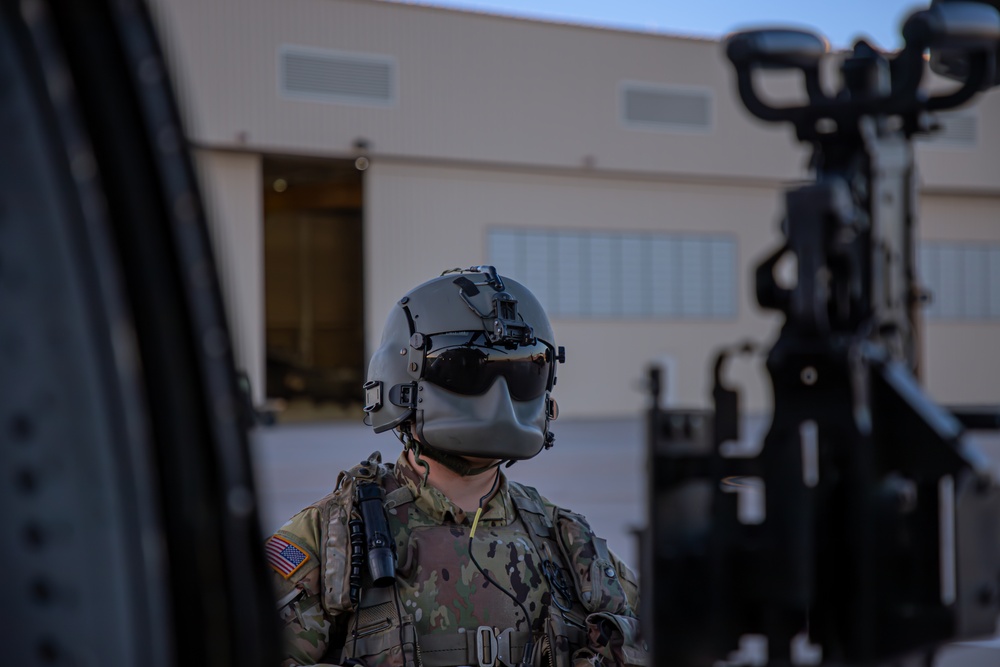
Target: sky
{"x": 840, "y": 21}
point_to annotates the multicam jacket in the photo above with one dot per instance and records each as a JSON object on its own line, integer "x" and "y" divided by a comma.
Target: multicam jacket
{"x": 581, "y": 601}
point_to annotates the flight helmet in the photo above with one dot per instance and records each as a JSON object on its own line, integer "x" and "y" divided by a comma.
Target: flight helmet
{"x": 466, "y": 367}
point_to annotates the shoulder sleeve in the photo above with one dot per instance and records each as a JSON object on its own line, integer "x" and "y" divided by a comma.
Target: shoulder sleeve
{"x": 609, "y": 590}
{"x": 293, "y": 550}
{"x": 628, "y": 577}
{"x": 602, "y": 580}
{"x": 293, "y": 553}
{"x": 629, "y": 580}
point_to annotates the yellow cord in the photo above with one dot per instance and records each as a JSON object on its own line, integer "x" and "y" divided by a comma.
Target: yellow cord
{"x": 482, "y": 501}
{"x": 475, "y": 522}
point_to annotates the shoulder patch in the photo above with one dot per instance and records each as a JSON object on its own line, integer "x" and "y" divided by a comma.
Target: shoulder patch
{"x": 283, "y": 556}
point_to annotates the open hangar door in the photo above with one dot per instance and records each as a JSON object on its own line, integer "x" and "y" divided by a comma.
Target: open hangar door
{"x": 313, "y": 273}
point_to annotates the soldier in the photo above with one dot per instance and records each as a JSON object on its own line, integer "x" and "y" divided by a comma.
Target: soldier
{"x": 440, "y": 560}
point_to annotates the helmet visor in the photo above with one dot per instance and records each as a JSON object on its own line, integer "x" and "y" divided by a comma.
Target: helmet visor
{"x": 458, "y": 363}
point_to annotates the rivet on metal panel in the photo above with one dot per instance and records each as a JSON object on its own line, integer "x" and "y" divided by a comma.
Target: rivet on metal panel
{"x": 21, "y": 427}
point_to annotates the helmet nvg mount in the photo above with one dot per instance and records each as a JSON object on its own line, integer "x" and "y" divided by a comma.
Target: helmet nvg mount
{"x": 466, "y": 366}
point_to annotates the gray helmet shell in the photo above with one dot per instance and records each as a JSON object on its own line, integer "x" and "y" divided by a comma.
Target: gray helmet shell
{"x": 490, "y": 425}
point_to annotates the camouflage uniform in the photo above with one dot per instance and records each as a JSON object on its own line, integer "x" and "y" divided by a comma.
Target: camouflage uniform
{"x": 581, "y": 600}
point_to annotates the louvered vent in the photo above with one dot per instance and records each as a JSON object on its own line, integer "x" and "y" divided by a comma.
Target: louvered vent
{"x": 666, "y": 107}
{"x": 334, "y": 76}
{"x": 957, "y": 129}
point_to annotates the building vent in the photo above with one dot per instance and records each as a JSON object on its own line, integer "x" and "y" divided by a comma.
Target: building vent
{"x": 335, "y": 76}
{"x": 667, "y": 108}
{"x": 957, "y": 129}
{"x": 611, "y": 274}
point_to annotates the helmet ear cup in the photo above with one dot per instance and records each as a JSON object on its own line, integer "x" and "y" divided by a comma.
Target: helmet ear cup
{"x": 387, "y": 371}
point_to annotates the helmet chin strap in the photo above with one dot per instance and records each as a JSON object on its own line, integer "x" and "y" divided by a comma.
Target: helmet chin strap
{"x": 457, "y": 464}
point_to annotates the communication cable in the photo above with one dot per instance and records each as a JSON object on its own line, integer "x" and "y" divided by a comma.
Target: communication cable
{"x": 526, "y": 658}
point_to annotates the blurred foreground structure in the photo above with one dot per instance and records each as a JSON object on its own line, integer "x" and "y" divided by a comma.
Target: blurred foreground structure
{"x": 863, "y": 530}
{"x": 352, "y": 148}
{"x": 127, "y": 492}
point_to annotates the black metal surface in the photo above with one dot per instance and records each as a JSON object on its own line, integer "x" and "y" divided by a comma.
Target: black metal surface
{"x": 953, "y": 63}
{"x": 83, "y": 574}
{"x": 131, "y": 493}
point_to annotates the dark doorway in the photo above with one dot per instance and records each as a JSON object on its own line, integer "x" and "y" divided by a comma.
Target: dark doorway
{"x": 313, "y": 297}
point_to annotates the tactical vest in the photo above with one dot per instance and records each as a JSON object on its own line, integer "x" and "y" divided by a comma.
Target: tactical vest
{"x": 576, "y": 564}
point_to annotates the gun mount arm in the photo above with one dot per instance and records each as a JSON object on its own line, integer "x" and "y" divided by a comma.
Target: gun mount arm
{"x": 968, "y": 30}
{"x": 879, "y": 535}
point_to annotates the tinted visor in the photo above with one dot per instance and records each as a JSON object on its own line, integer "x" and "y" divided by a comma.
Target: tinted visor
{"x": 462, "y": 364}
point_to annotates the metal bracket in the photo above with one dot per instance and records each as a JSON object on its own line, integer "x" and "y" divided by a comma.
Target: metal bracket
{"x": 486, "y": 646}
{"x": 504, "y": 651}
{"x": 404, "y": 395}
{"x": 373, "y": 395}
{"x": 493, "y": 279}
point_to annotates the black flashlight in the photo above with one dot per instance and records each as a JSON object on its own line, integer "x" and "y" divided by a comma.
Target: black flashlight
{"x": 379, "y": 545}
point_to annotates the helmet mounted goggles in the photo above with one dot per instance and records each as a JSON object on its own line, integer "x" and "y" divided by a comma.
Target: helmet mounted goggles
{"x": 467, "y": 363}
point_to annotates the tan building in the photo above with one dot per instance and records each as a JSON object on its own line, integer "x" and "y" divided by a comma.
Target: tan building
{"x": 351, "y": 148}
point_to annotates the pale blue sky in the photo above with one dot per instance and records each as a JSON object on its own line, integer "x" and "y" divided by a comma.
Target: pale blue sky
{"x": 840, "y": 21}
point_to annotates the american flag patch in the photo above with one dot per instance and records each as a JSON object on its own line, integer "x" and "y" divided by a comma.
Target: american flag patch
{"x": 284, "y": 556}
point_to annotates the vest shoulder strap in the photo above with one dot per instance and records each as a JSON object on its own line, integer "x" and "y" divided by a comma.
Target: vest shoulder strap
{"x": 369, "y": 470}
{"x": 583, "y": 554}
{"x": 373, "y": 470}
{"x": 532, "y": 509}
{"x": 336, "y": 537}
